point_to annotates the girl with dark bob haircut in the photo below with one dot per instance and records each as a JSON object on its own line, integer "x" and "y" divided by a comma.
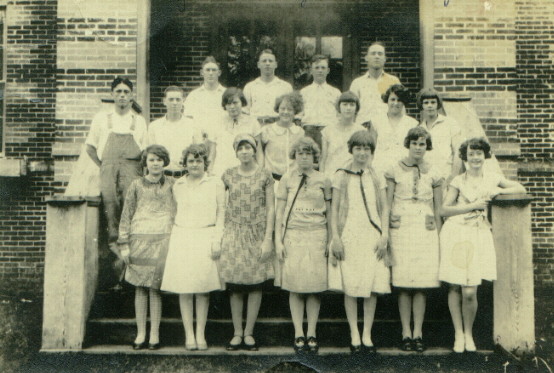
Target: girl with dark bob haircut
{"x": 294, "y": 98}
{"x": 428, "y": 93}
{"x": 348, "y": 96}
{"x": 199, "y": 151}
{"x": 305, "y": 144}
{"x": 477, "y": 143}
{"x": 158, "y": 150}
{"x": 415, "y": 133}
{"x": 230, "y": 94}
{"x": 399, "y": 90}
{"x": 361, "y": 138}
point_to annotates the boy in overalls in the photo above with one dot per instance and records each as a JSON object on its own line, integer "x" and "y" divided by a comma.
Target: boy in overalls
{"x": 114, "y": 143}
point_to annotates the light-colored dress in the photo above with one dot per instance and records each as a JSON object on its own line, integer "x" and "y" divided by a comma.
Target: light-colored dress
{"x": 390, "y": 144}
{"x": 360, "y": 273}
{"x": 245, "y": 224}
{"x": 278, "y": 141}
{"x": 224, "y": 136}
{"x": 336, "y": 138}
{"x": 467, "y": 247}
{"x": 145, "y": 225}
{"x": 198, "y": 223}
{"x": 413, "y": 234}
{"x": 304, "y": 269}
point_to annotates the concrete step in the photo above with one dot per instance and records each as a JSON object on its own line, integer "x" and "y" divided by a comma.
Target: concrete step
{"x": 277, "y": 332}
{"x": 263, "y": 351}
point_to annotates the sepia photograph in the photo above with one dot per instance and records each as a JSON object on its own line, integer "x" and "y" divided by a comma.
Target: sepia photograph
{"x": 277, "y": 186}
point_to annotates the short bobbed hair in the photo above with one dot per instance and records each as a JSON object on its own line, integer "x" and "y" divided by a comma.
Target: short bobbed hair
{"x": 230, "y": 94}
{"x": 305, "y": 144}
{"x": 294, "y": 98}
{"x": 348, "y": 96}
{"x": 157, "y": 150}
{"x": 428, "y": 93}
{"x": 476, "y": 143}
{"x": 415, "y": 134}
{"x": 362, "y": 138}
{"x": 400, "y": 91}
{"x": 118, "y": 80}
{"x": 198, "y": 151}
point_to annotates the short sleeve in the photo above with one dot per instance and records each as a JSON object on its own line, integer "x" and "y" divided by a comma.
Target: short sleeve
{"x": 337, "y": 178}
{"x": 93, "y": 137}
{"x": 456, "y": 182}
{"x": 265, "y": 134}
{"x": 327, "y": 189}
{"x": 255, "y": 128}
{"x": 437, "y": 179}
{"x": 282, "y": 192}
{"x": 390, "y": 174}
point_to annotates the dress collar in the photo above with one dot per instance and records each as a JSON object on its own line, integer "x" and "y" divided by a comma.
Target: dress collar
{"x": 280, "y": 131}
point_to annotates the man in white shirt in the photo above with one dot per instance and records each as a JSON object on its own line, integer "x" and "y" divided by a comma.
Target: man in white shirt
{"x": 320, "y": 99}
{"x": 374, "y": 83}
{"x": 203, "y": 104}
{"x": 262, "y": 92}
{"x": 174, "y": 131}
{"x": 115, "y": 142}
{"x": 446, "y": 135}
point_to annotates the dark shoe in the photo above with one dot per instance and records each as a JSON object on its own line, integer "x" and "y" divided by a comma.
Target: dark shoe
{"x": 250, "y": 347}
{"x": 139, "y": 346}
{"x": 407, "y": 344}
{"x": 370, "y": 350}
{"x": 299, "y": 344}
{"x": 419, "y": 346}
{"x": 312, "y": 345}
{"x": 153, "y": 346}
{"x": 355, "y": 350}
{"x": 234, "y": 347}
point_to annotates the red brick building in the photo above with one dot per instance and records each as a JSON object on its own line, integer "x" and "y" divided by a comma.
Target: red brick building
{"x": 59, "y": 57}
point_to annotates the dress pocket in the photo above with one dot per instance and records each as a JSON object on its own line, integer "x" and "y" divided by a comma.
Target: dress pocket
{"x": 395, "y": 221}
{"x": 430, "y": 223}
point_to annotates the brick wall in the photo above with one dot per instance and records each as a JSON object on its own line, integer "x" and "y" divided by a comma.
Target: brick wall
{"x": 96, "y": 42}
{"x": 29, "y": 132}
{"x": 474, "y": 48}
{"x": 534, "y": 63}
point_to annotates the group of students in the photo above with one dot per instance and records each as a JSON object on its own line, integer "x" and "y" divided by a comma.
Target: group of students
{"x": 344, "y": 209}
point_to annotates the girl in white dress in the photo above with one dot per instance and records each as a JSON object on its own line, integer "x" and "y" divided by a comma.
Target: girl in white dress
{"x": 467, "y": 247}
{"x": 359, "y": 231}
{"x": 195, "y": 243}
{"x": 334, "y": 153}
{"x": 392, "y": 128}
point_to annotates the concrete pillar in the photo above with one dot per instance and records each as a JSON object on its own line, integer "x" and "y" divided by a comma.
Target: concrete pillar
{"x": 514, "y": 302}
{"x": 70, "y": 270}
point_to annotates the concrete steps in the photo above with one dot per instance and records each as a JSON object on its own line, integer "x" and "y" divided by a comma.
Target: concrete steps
{"x": 111, "y": 326}
{"x": 264, "y": 351}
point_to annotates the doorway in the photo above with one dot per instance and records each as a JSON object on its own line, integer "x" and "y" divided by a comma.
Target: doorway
{"x": 240, "y": 33}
